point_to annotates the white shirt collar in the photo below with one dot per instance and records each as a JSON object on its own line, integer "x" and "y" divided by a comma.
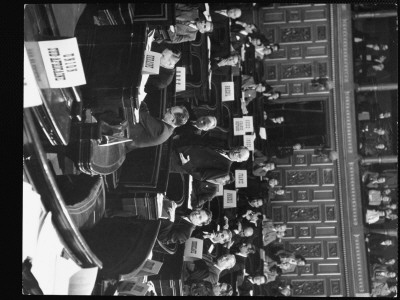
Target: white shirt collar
{"x": 240, "y": 254}
{"x": 187, "y": 219}
{"x": 215, "y": 265}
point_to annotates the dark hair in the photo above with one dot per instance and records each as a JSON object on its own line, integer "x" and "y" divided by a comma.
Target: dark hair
{"x": 276, "y": 268}
{"x": 181, "y": 118}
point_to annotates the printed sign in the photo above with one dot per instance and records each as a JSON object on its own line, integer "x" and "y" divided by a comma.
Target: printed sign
{"x": 229, "y": 198}
{"x": 131, "y": 288}
{"x": 193, "y": 249}
{"x": 240, "y": 178}
{"x": 238, "y": 126}
{"x": 150, "y": 267}
{"x": 248, "y": 141}
{"x": 151, "y": 62}
{"x": 220, "y": 190}
{"x": 62, "y": 62}
{"x": 35, "y": 58}
{"x": 263, "y": 133}
{"x": 31, "y": 91}
{"x": 248, "y": 124}
{"x": 180, "y": 79}
{"x": 227, "y": 90}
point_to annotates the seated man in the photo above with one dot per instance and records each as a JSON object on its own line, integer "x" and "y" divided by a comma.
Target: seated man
{"x": 207, "y": 269}
{"x": 166, "y": 74}
{"x": 205, "y": 191}
{"x": 262, "y": 169}
{"x": 195, "y": 127}
{"x": 205, "y": 163}
{"x": 271, "y": 232}
{"x": 219, "y": 237}
{"x": 288, "y": 261}
{"x": 184, "y": 31}
{"x": 233, "y": 13}
{"x": 245, "y": 203}
{"x": 151, "y": 131}
{"x": 241, "y": 254}
{"x": 233, "y": 61}
{"x": 246, "y": 289}
{"x": 181, "y": 229}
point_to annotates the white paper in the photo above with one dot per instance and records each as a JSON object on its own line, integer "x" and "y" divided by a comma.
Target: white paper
{"x": 151, "y": 63}
{"x": 248, "y": 141}
{"x": 180, "y": 79}
{"x": 31, "y": 90}
{"x": 132, "y": 288}
{"x": 193, "y": 249}
{"x": 63, "y": 63}
{"x": 240, "y": 178}
{"x": 227, "y": 90}
{"x": 263, "y": 133}
{"x": 238, "y": 126}
{"x": 248, "y": 124}
{"x": 229, "y": 198}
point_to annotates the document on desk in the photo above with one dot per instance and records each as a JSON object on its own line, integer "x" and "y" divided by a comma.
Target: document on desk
{"x": 193, "y": 249}
{"x": 229, "y": 199}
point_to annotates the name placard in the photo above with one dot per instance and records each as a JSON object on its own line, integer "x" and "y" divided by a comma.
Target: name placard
{"x": 240, "y": 178}
{"x": 151, "y": 62}
{"x": 220, "y": 190}
{"x": 31, "y": 92}
{"x": 180, "y": 79}
{"x": 248, "y": 124}
{"x": 62, "y": 62}
{"x": 131, "y": 288}
{"x": 229, "y": 198}
{"x": 193, "y": 249}
{"x": 263, "y": 133}
{"x": 227, "y": 90}
{"x": 238, "y": 126}
{"x": 248, "y": 141}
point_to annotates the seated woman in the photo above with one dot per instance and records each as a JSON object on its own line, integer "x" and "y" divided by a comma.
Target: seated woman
{"x": 376, "y": 198}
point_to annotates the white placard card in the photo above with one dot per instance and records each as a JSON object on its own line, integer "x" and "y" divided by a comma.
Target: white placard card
{"x": 229, "y": 198}
{"x": 248, "y": 141}
{"x": 238, "y": 126}
{"x": 31, "y": 90}
{"x": 131, "y": 288}
{"x": 248, "y": 124}
{"x": 62, "y": 62}
{"x": 180, "y": 79}
{"x": 193, "y": 249}
{"x": 151, "y": 62}
{"x": 240, "y": 178}
{"x": 227, "y": 90}
{"x": 263, "y": 133}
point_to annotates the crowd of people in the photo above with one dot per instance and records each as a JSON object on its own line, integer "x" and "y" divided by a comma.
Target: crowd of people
{"x": 246, "y": 230}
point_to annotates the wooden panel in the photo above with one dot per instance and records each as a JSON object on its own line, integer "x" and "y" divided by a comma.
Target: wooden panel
{"x": 324, "y": 195}
{"x": 302, "y": 196}
{"x": 296, "y": 71}
{"x": 315, "y": 15}
{"x": 309, "y": 250}
{"x": 306, "y": 214}
{"x": 295, "y": 35}
{"x": 325, "y": 231}
{"x": 313, "y": 51}
{"x": 329, "y": 269}
{"x": 330, "y": 213}
{"x": 287, "y": 197}
{"x": 274, "y": 17}
{"x": 302, "y": 177}
{"x": 333, "y": 249}
{"x": 309, "y": 287}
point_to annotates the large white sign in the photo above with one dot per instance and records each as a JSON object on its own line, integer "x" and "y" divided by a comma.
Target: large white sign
{"x": 227, "y": 90}
{"x": 229, "y": 198}
{"x": 238, "y": 126}
{"x": 62, "y": 62}
{"x": 240, "y": 178}
{"x": 180, "y": 79}
{"x": 193, "y": 249}
{"x": 151, "y": 62}
{"x": 248, "y": 124}
{"x": 31, "y": 90}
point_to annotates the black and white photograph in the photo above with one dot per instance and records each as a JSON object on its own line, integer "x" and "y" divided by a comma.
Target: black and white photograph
{"x": 210, "y": 149}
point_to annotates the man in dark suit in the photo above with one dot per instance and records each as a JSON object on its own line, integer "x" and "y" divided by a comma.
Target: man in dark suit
{"x": 209, "y": 270}
{"x": 205, "y": 163}
{"x": 246, "y": 289}
{"x": 181, "y": 229}
{"x": 205, "y": 191}
{"x": 151, "y": 131}
{"x": 184, "y": 31}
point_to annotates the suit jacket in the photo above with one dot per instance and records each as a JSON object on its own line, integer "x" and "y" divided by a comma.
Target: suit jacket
{"x": 148, "y": 132}
{"x": 238, "y": 267}
{"x": 186, "y": 12}
{"x": 202, "y": 192}
{"x": 246, "y": 287}
{"x": 205, "y": 269}
{"x": 175, "y": 232}
{"x": 183, "y": 33}
{"x": 205, "y": 163}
